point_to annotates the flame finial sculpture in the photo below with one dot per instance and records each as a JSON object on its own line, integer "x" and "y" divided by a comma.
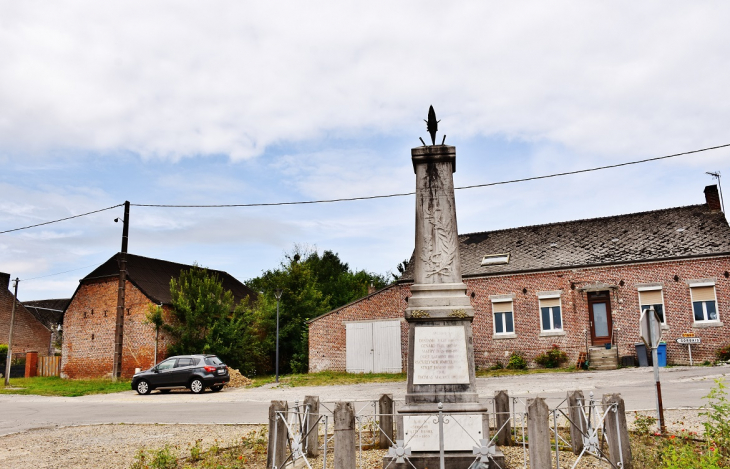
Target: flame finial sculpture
{"x": 432, "y": 125}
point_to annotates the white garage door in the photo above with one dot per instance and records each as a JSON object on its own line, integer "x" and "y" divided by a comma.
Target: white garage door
{"x": 373, "y": 347}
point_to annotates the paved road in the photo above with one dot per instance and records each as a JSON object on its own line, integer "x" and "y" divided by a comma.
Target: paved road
{"x": 681, "y": 386}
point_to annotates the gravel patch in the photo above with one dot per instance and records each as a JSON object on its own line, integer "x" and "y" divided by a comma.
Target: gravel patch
{"x": 114, "y": 446}
{"x": 107, "y": 446}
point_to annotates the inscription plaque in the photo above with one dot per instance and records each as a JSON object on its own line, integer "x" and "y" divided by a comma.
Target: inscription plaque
{"x": 461, "y": 432}
{"x": 439, "y": 355}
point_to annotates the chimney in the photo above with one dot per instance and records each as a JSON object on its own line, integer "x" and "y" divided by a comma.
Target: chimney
{"x": 712, "y": 197}
{"x": 4, "y": 281}
{"x": 371, "y": 288}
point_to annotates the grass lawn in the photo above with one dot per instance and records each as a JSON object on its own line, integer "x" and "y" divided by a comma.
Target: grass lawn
{"x": 331, "y": 378}
{"x": 55, "y": 386}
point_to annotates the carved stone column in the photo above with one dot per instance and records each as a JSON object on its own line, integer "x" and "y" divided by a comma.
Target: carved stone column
{"x": 441, "y": 350}
{"x": 442, "y": 408}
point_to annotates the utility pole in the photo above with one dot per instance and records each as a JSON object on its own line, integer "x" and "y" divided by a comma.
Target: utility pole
{"x": 119, "y": 329}
{"x": 277, "y": 294}
{"x": 9, "y": 358}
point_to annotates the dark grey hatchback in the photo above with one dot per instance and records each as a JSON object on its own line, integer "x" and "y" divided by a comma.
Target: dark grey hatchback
{"x": 195, "y": 372}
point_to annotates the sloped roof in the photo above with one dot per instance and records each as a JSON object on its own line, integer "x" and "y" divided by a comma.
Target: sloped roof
{"x": 673, "y": 233}
{"x": 152, "y": 277}
{"x": 49, "y": 312}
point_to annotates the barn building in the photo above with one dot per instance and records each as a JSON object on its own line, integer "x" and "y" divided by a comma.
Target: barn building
{"x": 89, "y": 320}
{"x": 29, "y": 333}
{"x": 578, "y": 285}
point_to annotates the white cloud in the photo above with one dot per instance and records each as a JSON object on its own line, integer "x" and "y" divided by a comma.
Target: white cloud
{"x": 174, "y": 79}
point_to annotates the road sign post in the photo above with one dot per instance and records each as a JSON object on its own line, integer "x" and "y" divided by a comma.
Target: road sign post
{"x": 688, "y": 341}
{"x": 651, "y": 333}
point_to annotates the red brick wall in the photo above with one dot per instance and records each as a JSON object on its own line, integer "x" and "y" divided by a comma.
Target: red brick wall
{"x": 88, "y": 341}
{"x": 327, "y": 335}
{"x": 29, "y": 334}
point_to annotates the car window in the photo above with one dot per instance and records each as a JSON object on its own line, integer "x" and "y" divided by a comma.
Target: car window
{"x": 181, "y": 362}
{"x": 166, "y": 365}
{"x": 213, "y": 361}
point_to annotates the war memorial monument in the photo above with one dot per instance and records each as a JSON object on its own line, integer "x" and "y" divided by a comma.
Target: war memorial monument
{"x": 441, "y": 397}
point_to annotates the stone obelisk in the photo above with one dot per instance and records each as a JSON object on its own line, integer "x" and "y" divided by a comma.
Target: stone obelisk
{"x": 440, "y": 350}
{"x": 440, "y": 343}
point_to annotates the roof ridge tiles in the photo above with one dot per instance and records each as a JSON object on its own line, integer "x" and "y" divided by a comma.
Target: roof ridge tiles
{"x": 579, "y": 220}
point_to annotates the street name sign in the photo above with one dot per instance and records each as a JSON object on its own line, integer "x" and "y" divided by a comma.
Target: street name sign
{"x": 689, "y": 340}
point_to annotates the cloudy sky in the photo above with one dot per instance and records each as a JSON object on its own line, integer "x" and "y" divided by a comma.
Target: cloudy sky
{"x": 177, "y": 102}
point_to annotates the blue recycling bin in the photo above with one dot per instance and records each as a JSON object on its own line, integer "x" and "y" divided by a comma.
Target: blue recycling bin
{"x": 661, "y": 354}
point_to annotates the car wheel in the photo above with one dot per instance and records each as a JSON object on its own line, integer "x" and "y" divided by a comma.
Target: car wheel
{"x": 165, "y": 391}
{"x": 197, "y": 386}
{"x": 216, "y": 388}
{"x": 143, "y": 387}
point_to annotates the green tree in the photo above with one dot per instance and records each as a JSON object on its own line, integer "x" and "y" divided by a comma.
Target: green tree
{"x": 311, "y": 284}
{"x": 155, "y": 317}
{"x": 204, "y": 319}
{"x": 401, "y": 269}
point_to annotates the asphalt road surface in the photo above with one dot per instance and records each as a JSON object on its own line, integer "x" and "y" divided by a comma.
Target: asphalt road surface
{"x": 681, "y": 387}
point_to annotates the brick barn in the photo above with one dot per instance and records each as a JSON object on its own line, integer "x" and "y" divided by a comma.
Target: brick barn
{"x": 577, "y": 284}
{"x": 29, "y": 334}
{"x": 89, "y": 320}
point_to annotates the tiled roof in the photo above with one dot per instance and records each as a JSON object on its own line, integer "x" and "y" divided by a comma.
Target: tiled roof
{"x": 682, "y": 232}
{"x": 49, "y": 312}
{"x": 152, "y": 276}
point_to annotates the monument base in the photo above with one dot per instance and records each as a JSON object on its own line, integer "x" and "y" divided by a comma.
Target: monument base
{"x": 451, "y": 461}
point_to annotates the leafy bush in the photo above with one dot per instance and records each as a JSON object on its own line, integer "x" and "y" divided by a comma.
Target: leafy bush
{"x": 516, "y": 361}
{"x": 553, "y": 358}
{"x": 680, "y": 452}
{"x": 723, "y": 353}
{"x": 159, "y": 459}
{"x": 717, "y": 426}
{"x": 3, "y": 351}
{"x": 644, "y": 424}
{"x": 496, "y": 367}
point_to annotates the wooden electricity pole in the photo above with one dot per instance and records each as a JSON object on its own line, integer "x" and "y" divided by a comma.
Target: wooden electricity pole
{"x": 10, "y": 338}
{"x": 119, "y": 329}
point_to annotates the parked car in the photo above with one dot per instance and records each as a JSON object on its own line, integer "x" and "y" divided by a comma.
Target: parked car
{"x": 195, "y": 372}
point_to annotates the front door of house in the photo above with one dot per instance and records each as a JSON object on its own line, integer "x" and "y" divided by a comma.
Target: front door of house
{"x": 599, "y": 313}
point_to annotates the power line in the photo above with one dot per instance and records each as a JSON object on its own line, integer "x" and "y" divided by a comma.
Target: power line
{"x": 62, "y": 219}
{"x": 323, "y": 201}
{"x": 59, "y": 273}
{"x": 594, "y": 169}
{"x": 402, "y": 194}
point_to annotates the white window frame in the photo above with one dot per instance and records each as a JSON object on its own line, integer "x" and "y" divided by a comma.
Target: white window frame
{"x": 504, "y": 323}
{"x": 661, "y": 292}
{"x": 560, "y": 305}
{"x": 692, "y": 286}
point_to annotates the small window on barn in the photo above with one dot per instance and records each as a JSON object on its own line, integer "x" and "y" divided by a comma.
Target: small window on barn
{"x": 652, "y": 296}
{"x": 496, "y": 259}
{"x": 551, "y": 317}
{"x": 704, "y": 302}
{"x": 503, "y": 317}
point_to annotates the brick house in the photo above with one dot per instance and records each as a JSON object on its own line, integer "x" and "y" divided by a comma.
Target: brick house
{"x": 89, "y": 319}
{"x": 50, "y": 314}
{"x": 578, "y": 284}
{"x": 29, "y": 334}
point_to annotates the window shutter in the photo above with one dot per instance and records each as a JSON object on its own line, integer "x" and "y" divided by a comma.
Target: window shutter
{"x": 703, "y": 294}
{"x": 549, "y": 302}
{"x": 502, "y": 307}
{"x": 651, "y": 297}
